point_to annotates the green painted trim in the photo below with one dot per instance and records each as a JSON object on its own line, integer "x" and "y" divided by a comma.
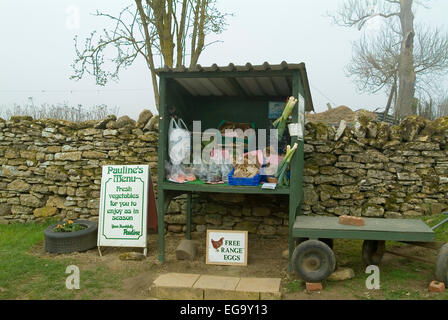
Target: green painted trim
{"x": 188, "y": 231}
{"x": 363, "y": 235}
{"x": 221, "y": 189}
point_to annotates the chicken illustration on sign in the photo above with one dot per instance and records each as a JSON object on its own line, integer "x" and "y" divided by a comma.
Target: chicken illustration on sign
{"x": 230, "y": 249}
{"x": 217, "y": 244}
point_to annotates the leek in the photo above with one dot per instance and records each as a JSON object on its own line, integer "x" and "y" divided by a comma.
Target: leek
{"x": 280, "y": 123}
{"x": 284, "y": 165}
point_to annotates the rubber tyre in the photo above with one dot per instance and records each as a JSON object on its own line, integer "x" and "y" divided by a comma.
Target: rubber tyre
{"x": 67, "y": 242}
{"x": 442, "y": 265}
{"x": 329, "y": 242}
{"x": 373, "y": 251}
{"x": 313, "y": 261}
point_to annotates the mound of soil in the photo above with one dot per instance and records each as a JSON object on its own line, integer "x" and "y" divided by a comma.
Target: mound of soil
{"x": 337, "y": 114}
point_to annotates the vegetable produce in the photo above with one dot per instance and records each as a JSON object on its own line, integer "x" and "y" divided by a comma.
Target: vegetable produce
{"x": 280, "y": 123}
{"x": 284, "y": 165}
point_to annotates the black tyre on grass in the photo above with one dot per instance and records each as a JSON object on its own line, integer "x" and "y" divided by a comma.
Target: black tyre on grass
{"x": 313, "y": 260}
{"x": 66, "y": 242}
{"x": 442, "y": 265}
{"x": 373, "y": 251}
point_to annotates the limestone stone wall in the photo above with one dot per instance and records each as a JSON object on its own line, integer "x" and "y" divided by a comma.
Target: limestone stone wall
{"x": 371, "y": 170}
{"x": 52, "y": 168}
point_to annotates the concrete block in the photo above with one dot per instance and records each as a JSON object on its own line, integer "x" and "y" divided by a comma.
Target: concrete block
{"x": 218, "y": 294}
{"x": 270, "y": 295}
{"x": 268, "y": 288}
{"x": 216, "y": 282}
{"x": 259, "y": 284}
{"x": 176, "y": 293}
{"x": 176, "y": 286}
{"x": 186, "y": 250}
{"x": 182, "y": 280}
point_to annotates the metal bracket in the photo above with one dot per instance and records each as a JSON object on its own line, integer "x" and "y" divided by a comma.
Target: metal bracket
{"x": 441, "y": 223}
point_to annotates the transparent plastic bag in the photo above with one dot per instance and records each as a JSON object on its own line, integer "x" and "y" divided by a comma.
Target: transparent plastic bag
{"x": 179, "y": 173}
{"x": 179, "y": 141}
{"x": 201, "y": 171}
{"x": 214, "y": 173}
{"x": 225, "y": 171}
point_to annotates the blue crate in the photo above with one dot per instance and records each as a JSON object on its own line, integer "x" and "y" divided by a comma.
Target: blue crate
{"x": 234, "y": 181}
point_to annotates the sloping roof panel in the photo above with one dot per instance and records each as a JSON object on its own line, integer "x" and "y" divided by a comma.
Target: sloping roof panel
{"x": 225, "y": 80}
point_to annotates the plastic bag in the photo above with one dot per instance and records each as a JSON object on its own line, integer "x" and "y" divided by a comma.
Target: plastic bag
{"x": 214, "y": 173}
{"x": 225, "y": 171}
{"x": 179, "y": 173}
{"x": 179, "y": 141}
{"x": 201, "y": 171}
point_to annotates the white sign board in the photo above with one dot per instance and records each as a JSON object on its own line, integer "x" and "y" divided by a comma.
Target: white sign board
{"x": 123, "y": 206}
{"x": 226, "y": 247}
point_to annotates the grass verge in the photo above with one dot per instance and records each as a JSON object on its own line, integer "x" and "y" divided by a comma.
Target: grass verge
{"x": 24, "y": 276}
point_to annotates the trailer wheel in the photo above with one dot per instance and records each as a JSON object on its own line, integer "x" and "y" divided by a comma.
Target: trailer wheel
{"x": 313, "y": 260}
{"x": 442, "y": 265}
{"x": 329, "y": 242}
{"x": 373, "y": 251}
{"x": 300, "y": 240}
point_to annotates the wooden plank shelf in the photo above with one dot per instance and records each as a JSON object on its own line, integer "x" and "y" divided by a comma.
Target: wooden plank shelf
{"x": 221, "y": 188}
{"x": 374, "y": 229}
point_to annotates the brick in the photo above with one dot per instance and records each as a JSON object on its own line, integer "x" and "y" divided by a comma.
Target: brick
{"x": 436, "y": 286}
{"x": 314, "y": 286}
{"x": 351, "y": 221}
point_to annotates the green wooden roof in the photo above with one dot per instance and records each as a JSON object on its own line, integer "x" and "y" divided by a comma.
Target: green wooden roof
{"x": 247, "y": 80}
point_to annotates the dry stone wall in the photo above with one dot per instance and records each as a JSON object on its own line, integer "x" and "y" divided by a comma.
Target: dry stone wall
{"x": 371, "y": 170}
{"x": 51, "y": 168}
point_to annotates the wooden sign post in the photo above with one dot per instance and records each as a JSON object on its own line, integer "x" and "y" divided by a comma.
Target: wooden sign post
{"x": 124, "y": 206}
{"x": 226, "y": 247}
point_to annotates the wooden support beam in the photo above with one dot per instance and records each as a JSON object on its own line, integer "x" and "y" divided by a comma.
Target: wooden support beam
{"x": 410, "y": 257}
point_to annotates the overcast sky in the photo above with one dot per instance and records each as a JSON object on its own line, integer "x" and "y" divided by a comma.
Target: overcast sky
{"x": 37, "y": 50}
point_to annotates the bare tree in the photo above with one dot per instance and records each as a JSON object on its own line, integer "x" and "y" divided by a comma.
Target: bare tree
{"x": 442, "y": 107}
{"x": 358, "y": 13}
{"x": 375, "y": 62}
{"x": 148, "y": 29}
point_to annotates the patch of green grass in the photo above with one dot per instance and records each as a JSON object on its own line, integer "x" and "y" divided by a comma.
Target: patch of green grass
{"x": 442, "y": 231}
{"x": 294, "y": 286}
{"x": 24, "y": 276}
